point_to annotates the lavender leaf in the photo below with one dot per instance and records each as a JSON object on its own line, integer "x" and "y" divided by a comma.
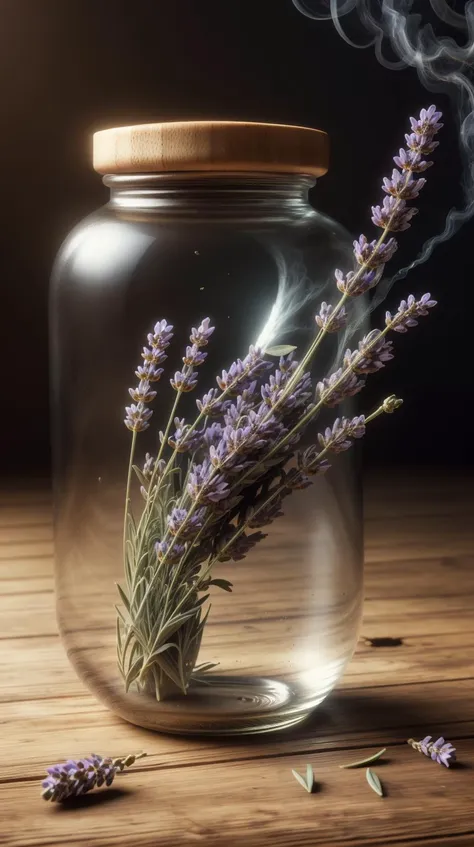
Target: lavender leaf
{"x": 222, "y": 583}
{"x": 301, "y": 780}
{"x": 280, "y": 350}
{"x": 374, "y": 782}
{"x": 365, "y": 761}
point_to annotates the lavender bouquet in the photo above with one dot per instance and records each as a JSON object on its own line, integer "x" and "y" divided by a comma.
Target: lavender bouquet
{"x": 221, "y": 478}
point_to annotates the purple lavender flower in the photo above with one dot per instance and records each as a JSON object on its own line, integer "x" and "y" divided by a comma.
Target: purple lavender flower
{"x": 296, "y": 479}
{"x": 151, "y": 466}
{"x": 147, "y": 469}
{"x": 331, "y": 390}
{"x": 72, "y": 779}
{"x": 371, "y": 254}
{"x": 200, "y": 336}
{"x": 403, "y": 186}
{"x": 441, "y": 751}
{"x": 172, "y": 551}
{"x": 238, "y": 548}
{"x": 210, "y": 405}
{"x": 225, "y": 455}
{"x": 241, "y": 373}
{"x": 338, "y": 438}
{"x": 393, "y": 215}
{"x": 428, "y": 123}
{"x": 242, "y": 405}
{"x": 261, "y": 515}
{"x": 183, "y": 439}
{"x": 420, "y": 143}
{"x": 254, "y": 363}
{"x": 229, "y": 380}
{"x": 161, "y": 336}
{"x": 184, "y": 380}
{"x": 409, "y": 160}
{"x": 310, "y": 463}
{"x": 137, "y": 417}
{"x": 142, "y": 393}
{"x": 204, "y": 485}
{"x": 408, "y": 311}
{"x": 149, "y": 372}
{"x": 212, "y": 434}
{"x": 194, "y": 357}
{"x": 181, "y": 522}
{"x": 355, "y": 283}
{"x": 372, "y": 354}
{"x": 274, "y": 392}
{"x": 329, "y": 320}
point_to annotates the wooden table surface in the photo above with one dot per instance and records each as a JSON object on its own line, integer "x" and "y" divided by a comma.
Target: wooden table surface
{"x": 411, "y": 676}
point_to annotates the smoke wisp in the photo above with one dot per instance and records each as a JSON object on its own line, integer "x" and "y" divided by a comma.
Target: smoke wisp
{"x": 443, "y": 64}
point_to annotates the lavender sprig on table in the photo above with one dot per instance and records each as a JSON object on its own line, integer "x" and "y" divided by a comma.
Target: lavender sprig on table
{"x": 73, "y": 778}
{"x": 219, "y": 479}
{"x": 441, "y": 751}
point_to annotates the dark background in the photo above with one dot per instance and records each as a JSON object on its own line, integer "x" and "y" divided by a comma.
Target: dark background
{"x": 70, "y": 67}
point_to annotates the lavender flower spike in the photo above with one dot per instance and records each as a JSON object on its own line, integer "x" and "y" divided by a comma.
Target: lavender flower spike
{"x": 354, "y": 284}
{"x": 428, "y": 123}
{"x": 408, "y": 311}
{"x": 137, "y": 417}
{"x": 161, "y": 336}
{"x": 393, "y": 215}
{"x": 202, "y": 334}
{"x": 204, "y": 486}
{"x": 142, "y": 393}
{"x": 401, "y": 186}
{"x": 330, "y": 322}
{"x": 372, "y": 256}
{"x": 331, "y": 390}
{"x": 338, "y": 439}
{"x": 71, "y": 779}
{"x": 184, "y": 380}
{"x": 372, "y": 354}
{"x": 441, "y": 751}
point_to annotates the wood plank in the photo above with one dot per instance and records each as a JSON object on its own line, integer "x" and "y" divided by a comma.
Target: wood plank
{"x": 35, "y": 734}
{"x": 416, "y": 660}
{"x": 393, "y": 616}
{"x": 28, "y": 568}
{"x": 256, "y": 802}
{"x": 435, "y": 577}
{"x": 419, "y": 590}
{"x": 26, "y": 533}
{"x": 26, "y": 549}
{"x": 451, "y": 576}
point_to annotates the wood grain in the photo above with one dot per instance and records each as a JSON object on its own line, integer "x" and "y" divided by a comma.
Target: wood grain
{"x": 411, "y": 675}
{"x": 221, "y": 146}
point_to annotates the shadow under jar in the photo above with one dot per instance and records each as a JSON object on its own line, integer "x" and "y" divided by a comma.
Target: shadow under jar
{"x": 204, "y": 220}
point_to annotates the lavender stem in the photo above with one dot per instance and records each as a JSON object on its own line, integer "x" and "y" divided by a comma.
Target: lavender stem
{"x": 127, "y": 498}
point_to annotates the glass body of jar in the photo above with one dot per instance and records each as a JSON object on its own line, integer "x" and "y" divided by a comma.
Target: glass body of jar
{"x": 250, "y": 252}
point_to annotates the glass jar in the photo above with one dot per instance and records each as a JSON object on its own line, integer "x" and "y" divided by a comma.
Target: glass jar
{"x": 204, "y": 220}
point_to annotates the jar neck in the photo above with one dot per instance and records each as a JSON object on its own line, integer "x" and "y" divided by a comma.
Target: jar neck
{"x": 213, "y": 195}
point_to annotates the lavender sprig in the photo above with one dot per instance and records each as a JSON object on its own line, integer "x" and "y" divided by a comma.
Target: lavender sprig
{"x": 371, "y": 256}
{"x": 74, "y": 778}
{"x": 242, "y": 454}
{"x": 441, "y": 751}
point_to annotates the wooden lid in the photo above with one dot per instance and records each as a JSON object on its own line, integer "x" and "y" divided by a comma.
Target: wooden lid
{"x": 211, "y": 146}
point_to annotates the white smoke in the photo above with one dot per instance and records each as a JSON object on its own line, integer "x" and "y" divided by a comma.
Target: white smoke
{"x": 295, "y": 290}
{"x": 442, "y": 64}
